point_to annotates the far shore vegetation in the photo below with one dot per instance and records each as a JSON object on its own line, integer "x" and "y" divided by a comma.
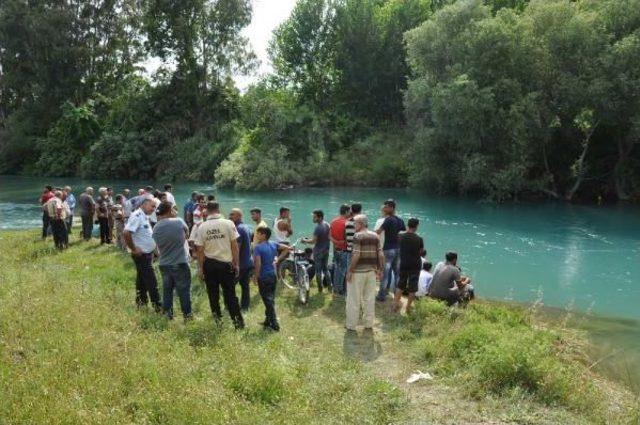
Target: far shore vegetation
{"x": 74, "y": 349}
{"x": 502, "y": 99}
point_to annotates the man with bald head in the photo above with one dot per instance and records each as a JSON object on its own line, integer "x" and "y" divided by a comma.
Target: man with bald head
{"x": 87, "y": 209}
{"x": 246, "y": 262}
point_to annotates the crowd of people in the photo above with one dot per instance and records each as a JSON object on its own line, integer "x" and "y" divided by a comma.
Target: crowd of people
{"x": 366, "y": 265}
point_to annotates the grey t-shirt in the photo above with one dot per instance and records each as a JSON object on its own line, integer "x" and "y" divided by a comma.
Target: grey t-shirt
{"x": 443, "y": 284}
{"x": 170, "y": 238}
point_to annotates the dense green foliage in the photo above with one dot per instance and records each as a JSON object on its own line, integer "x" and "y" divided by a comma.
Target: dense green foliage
{"x": 75, "y": 349}
{"x": 499, "y": 98}
{"x": 543, "y": 100}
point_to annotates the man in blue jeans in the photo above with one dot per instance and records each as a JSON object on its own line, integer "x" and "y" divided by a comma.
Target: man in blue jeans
{"x": 321, "y": 243}
{"x": 170, "y": 235}
{"x": 246, "y": 262}
{"x": 391, "y": 226}
{"x": 265, "y": 253}
{"x": 340, "y": 254}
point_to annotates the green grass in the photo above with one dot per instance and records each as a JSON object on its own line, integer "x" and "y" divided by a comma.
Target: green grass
{"x": 74, "y": 349}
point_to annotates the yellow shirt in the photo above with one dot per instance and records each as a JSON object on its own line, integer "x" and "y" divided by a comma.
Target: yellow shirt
{"x": 215, "y": 235}
{"x": 255, "y": 234}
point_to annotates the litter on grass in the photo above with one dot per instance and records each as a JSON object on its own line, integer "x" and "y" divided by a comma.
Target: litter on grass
{"x": 415, "y": 377}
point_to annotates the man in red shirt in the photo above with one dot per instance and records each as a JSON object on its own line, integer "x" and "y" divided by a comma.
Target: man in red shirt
{"x": 47, "y": 194}
{"x": 340, "y": 254}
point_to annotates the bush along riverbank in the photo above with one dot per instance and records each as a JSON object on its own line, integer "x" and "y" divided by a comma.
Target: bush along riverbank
{"x": 74, "y": 349}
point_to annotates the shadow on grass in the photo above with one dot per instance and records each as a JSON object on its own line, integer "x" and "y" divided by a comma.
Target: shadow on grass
{"x": 363, "y": 347}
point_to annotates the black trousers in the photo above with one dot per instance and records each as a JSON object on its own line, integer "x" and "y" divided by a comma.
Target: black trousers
{"x": 218, "y": 274}
{"x": 243, "y": 280}
{"x": 59, "y": 230}
{"x": 46, "y": 221}
{"x": 69, "y": 224}
{"x": 146, "y": 282}
{"x": 267, "y": 288}
{"x": 87, "y": 227}
{"x": 105, "y": 232}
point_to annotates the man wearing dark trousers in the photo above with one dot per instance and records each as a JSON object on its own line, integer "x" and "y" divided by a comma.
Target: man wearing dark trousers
{"x": 103, "y": 211}
{"x": 246, "y": 262}
{"x": 138, "y": 237}
{"x": 47, "y": 195}
{"x": 87, "y": 210}
{"x": 218, "y": 256}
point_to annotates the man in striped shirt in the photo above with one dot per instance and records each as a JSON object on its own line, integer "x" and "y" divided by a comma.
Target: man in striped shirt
{"x": 367, "y": 265}
{"x": 349, "y": 232}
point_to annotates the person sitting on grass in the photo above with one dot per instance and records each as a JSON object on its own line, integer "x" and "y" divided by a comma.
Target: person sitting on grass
{"x": 424, "y": 281}
{"x": 448, "y": 284}
{"x": 266, "y": 254}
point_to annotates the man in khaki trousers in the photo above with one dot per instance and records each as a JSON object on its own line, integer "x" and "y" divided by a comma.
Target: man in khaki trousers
{"x": 366, "y": 268}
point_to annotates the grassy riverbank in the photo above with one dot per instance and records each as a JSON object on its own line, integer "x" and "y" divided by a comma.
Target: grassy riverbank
{"x": 73, "y": 349}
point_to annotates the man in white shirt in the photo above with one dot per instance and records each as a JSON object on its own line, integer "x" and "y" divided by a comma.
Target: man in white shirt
{"x": 138, "y": 237}
{"x": 282, "y": 229}
{"x": 424, "y": 281}
{"x": 218, "y": 258}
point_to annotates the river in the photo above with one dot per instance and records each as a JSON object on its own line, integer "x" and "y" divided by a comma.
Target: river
{"x": 582, "y": 259}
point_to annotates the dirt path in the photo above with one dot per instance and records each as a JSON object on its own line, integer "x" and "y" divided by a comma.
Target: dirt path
{"x": 386, "y": 356}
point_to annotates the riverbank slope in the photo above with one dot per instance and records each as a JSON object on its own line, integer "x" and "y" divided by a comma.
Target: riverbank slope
{"x": 74, "y": 349}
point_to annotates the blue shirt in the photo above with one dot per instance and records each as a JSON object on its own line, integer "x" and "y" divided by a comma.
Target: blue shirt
{"x": 244, "y": 243}
{"x": 392, "y": 225}
{"x": 71, "y": 201}
{"x": 267, "y": 251}
{"x": 188, "y": 208}
{"x": 321, "y": 233}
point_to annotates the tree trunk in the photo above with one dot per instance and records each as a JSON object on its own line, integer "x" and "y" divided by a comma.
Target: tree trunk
{"x": 624, "y": 150}
{"x": 581, "y": 171}
{"x": 553, "y": 192}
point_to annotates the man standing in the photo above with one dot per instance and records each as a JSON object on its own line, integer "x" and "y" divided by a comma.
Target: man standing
{"x": 71, "y": 201}
{"x": 103, "y": 211}
{"x": 246, "y": 262}
{"x": 282, "y": 228}
{"x": 188, "y": 208}
{"x": 126, "y": 204}
{"x": 349, "y": 232}
{"x": 57, "y": 219}
{"x": 47, "y": 194}
{"x": 170, "y": 235}
{"x": 256, "y": 217}
{"x": 340, "y": 256}
{"x": 391, "y": 226}
{"x": 119, "y": 219}
{"x": 321, "y": 243}
{"x": 218, "y": 258}
{"x": 410, "y": 246}
{"x": 111, "y": 221}
{"x": 138, "y": 237}
{"x": 87, "y": 210}
{"x": 366, "y": 265}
